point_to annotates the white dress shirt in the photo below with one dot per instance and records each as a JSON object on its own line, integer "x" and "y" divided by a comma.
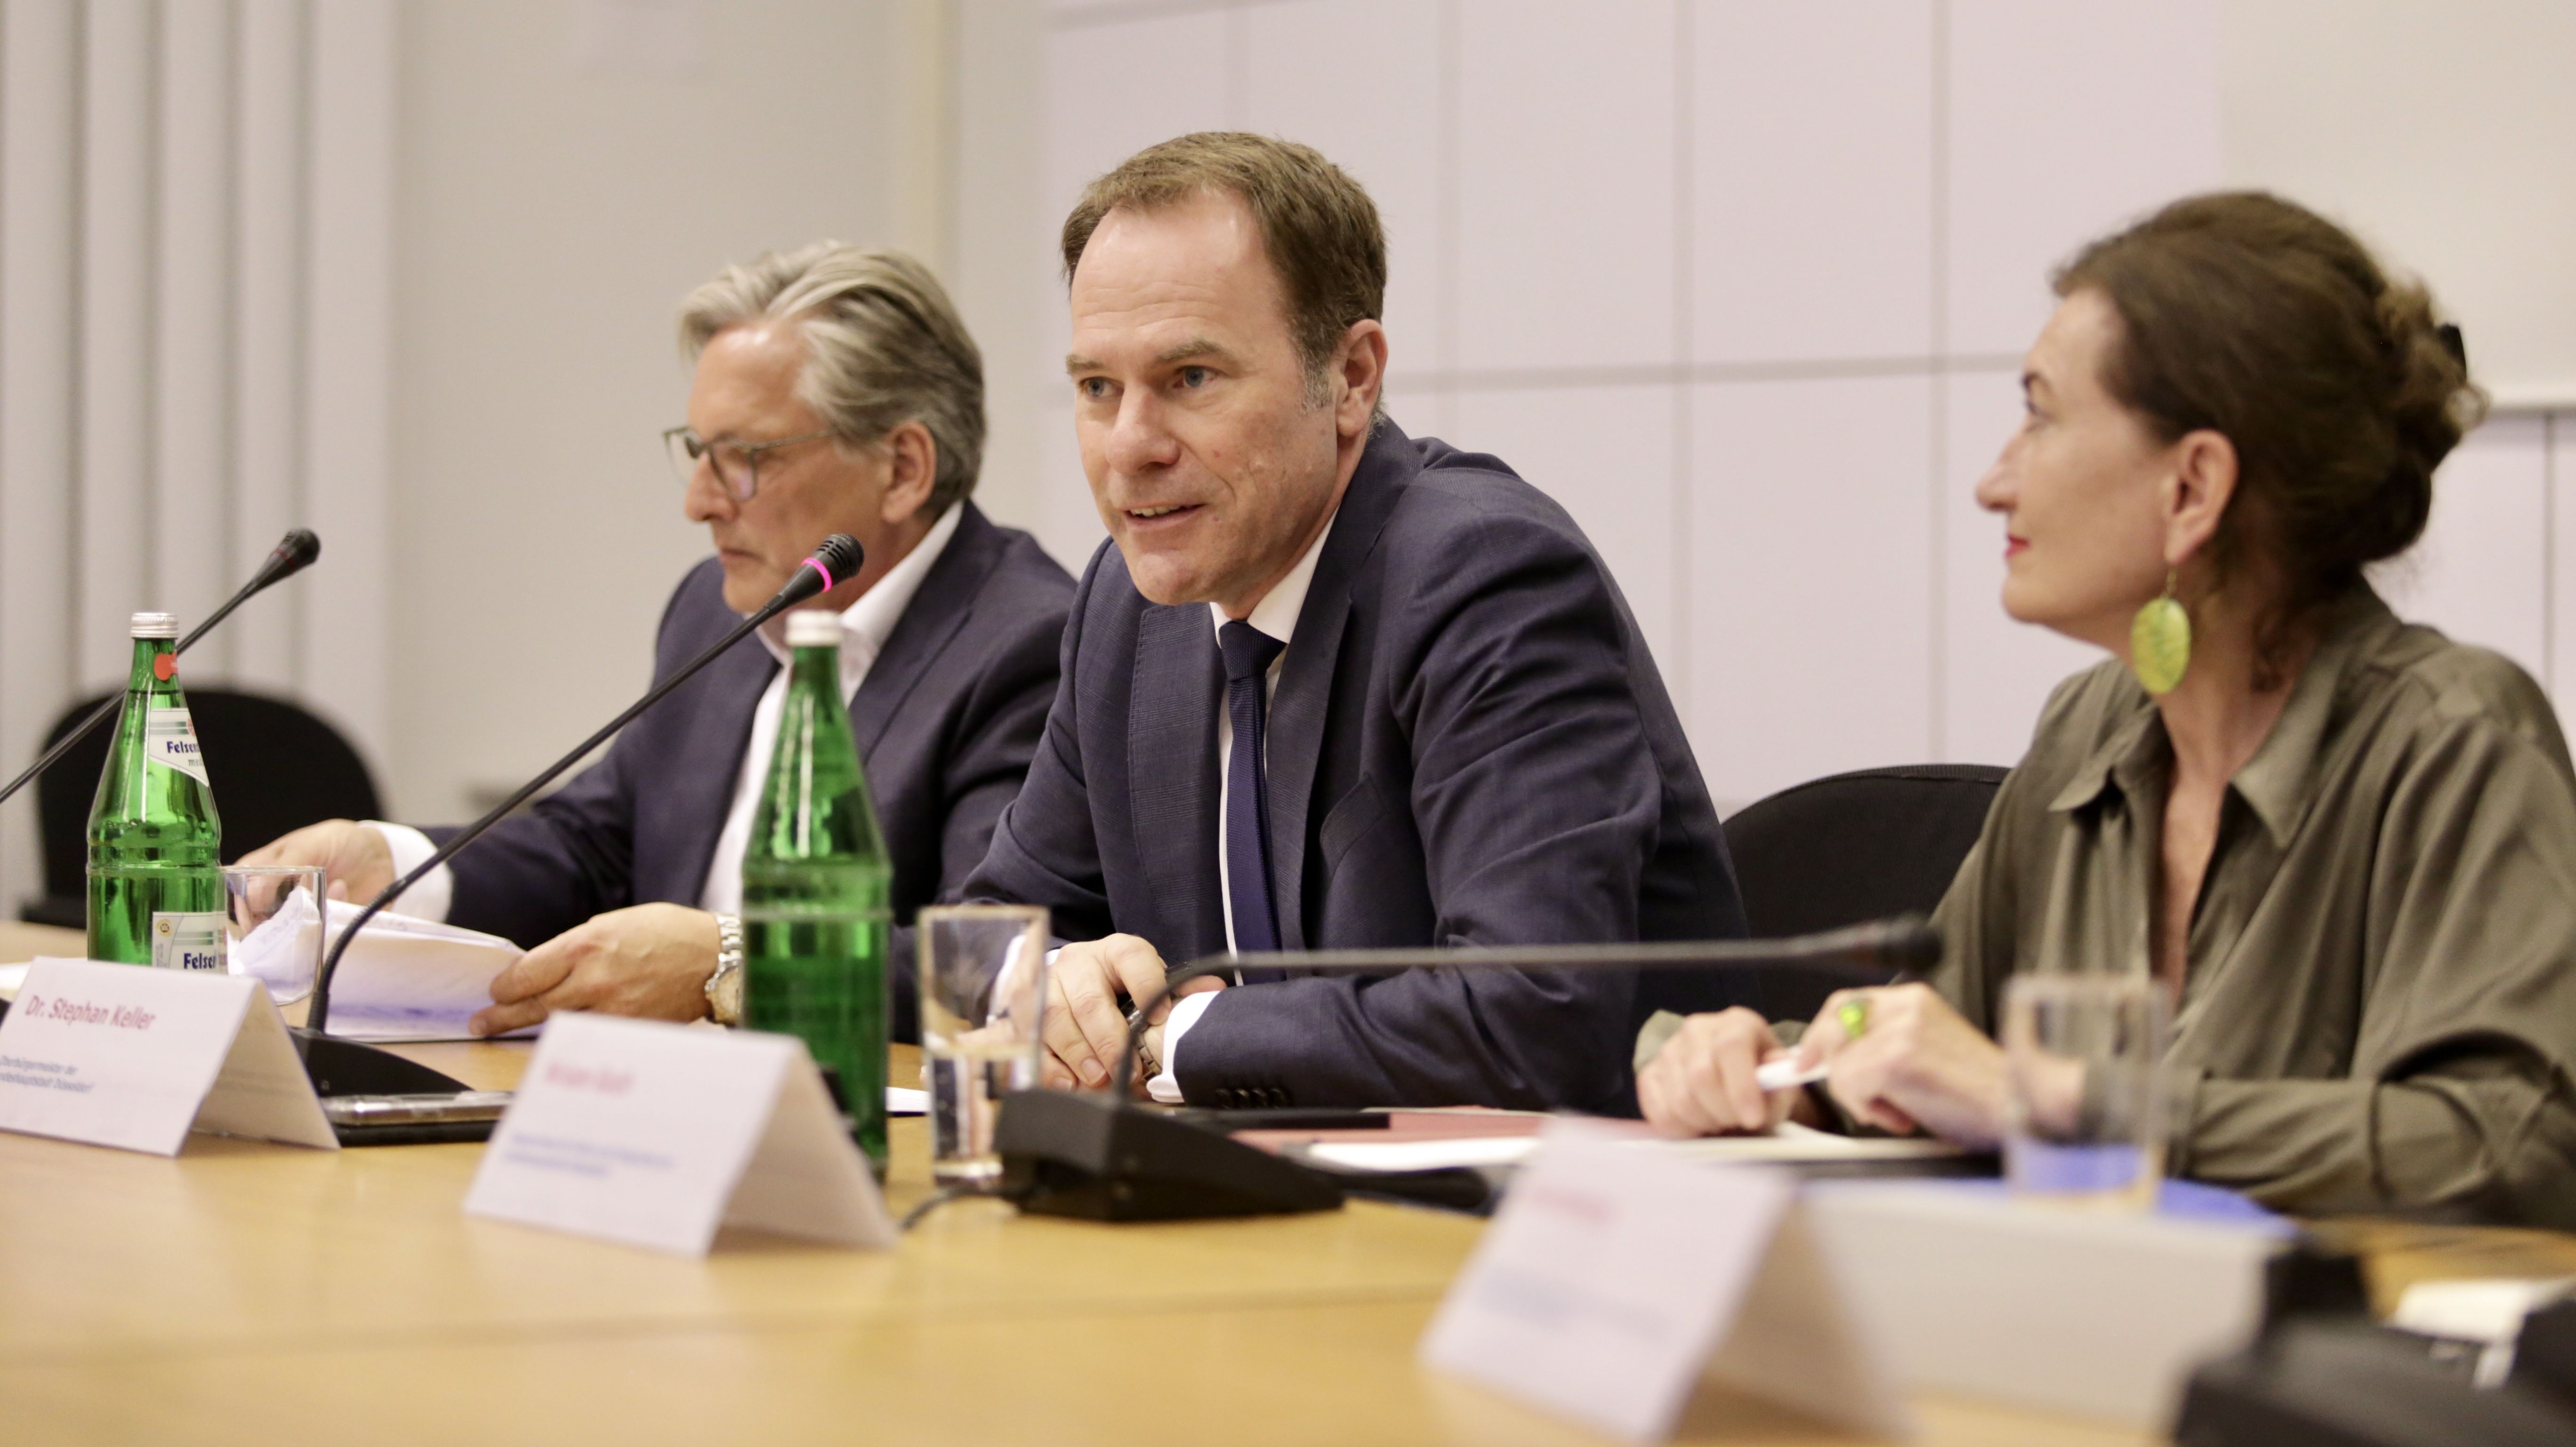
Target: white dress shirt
{"x": 865, "y": 627}
{"x": 1276, "y": 616}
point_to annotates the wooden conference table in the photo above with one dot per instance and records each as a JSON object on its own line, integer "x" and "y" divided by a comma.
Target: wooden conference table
{"x": 265, "y": 1294}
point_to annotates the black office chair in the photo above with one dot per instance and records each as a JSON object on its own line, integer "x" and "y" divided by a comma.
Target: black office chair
{"x": 275, "y": 767}
{"x": 1852, "y": 847}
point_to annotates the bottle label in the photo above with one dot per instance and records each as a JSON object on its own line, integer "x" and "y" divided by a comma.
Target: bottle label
{"x": 192, "y": 942}
{"x": 170, "y": 740}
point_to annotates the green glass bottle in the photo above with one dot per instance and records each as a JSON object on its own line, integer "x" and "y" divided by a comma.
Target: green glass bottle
{"x": 815, "y": 884}
{"x": 156, "y": 884}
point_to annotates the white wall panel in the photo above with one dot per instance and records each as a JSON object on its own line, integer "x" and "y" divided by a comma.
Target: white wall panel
{"x": 268, "y": 292}
{"x": 1606, "y": 455}
{"x": 1565, "y": 184}
{"x": 348, "y": 362}
{"x": 1995, "y": 673}
{"x": 1113, "y": 90}
{"x": 117, "y": 142}
{"x": 1067, "y": 523}
{"x": 552, "y": 217}
{"x": 1347, "y": 77}
{"x": 2065, "y": 121}
{"x": 1812, "y": 147}
{"x": 192, "y": 445}
{"x": 39, "y": 119}
{"x": 1811, "y": 645}
{"x": 2481, "y": 572}
{"x": 1666, "y": 189}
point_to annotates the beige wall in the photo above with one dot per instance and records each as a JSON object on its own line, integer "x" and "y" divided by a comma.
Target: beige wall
{"x": 558, "y": 189}
{"x": 2445, "y": 130}
{"x": 549, "y": 213}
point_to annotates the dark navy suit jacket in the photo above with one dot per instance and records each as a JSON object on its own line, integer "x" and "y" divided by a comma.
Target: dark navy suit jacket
{"x": 1469, "y": 744}
{"x": 945, "y": 721}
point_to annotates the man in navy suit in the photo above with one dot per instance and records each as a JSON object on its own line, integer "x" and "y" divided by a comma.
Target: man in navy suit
{"x": 835, "y": 391}
{"x": 1331, "y": 687}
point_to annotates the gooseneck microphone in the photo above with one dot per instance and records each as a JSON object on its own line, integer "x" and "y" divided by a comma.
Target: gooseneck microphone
{"x": 292, "y": 555}
{"x": 1106, "y": 1158}
{"x": 1868, "y": 952}
{"x": 340, "y": 1068}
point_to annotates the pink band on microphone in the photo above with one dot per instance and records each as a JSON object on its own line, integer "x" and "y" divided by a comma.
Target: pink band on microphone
{"x": 818, "y": 567}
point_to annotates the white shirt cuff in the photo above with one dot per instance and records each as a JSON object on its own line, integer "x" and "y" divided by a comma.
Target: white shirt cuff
{"x": 428, "y": 899}
{"x": 1166, "y": 1087}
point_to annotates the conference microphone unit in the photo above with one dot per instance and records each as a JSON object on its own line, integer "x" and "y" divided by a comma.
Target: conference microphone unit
{"x": 345, "y": 1067}
{"x": 292, "y": 555}
{"x": 1105, "y": 1157}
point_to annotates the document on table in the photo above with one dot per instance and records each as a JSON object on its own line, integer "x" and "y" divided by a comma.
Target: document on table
{"x": 1791, "y": 1144}
{"x": 402, "y": 978}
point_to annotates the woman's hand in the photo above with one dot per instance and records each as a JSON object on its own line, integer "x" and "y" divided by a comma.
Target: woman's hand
{"x": 1701, "y": 1082}
{"x": 1917, "y": 1064}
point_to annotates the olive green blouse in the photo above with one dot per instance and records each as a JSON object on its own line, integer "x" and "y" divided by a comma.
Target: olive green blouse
{"x": 2380, "y": 1009}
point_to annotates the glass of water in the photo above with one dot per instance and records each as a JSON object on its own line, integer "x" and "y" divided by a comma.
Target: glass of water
{"x": 2084, "y": 1098}
{"x": 272, "y": 925}
{"x": 983, "y": 997}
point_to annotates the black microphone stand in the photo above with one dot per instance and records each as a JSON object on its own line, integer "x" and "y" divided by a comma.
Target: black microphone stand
{"x": 345, "y": 1067}
{"x": 291, "y": 556}
{"x": 1103, "y": 1157}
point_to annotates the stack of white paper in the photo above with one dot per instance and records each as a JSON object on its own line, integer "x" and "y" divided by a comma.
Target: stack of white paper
{"x": 402, "y": 979}
{"x": 1788, "y": 1144}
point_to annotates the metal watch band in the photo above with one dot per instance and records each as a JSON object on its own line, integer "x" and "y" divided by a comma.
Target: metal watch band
{"x": 1148, "y": 1063}
{"x": 724, "y": 987}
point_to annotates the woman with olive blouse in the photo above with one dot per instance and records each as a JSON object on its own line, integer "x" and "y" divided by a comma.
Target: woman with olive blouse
{"x": 2344, "y": 845}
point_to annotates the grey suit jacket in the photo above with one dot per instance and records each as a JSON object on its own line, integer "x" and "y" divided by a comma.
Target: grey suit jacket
{"x": 1469, "y": 744}
{"x": 945, "y": 721}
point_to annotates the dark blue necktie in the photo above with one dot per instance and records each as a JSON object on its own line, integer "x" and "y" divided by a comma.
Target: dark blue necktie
{"x": 1248, "y": 654}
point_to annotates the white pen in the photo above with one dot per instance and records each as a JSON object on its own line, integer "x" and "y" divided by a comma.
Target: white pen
{"x": 1784, "y": 1074}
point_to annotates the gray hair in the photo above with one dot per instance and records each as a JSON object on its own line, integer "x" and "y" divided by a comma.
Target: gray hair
{"x": 884, "y": 346}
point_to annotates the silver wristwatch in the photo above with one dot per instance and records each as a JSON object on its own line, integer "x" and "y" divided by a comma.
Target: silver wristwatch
{"x": 724, "y": 987}
{"x": 1149, "y": 1063}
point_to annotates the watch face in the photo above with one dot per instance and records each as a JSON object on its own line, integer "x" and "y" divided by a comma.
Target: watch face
{"x": 724, "y": 996}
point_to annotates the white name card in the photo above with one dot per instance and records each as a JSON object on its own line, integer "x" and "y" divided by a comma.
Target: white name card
{"x": 133, "y": 1057}
{"x": 655, "y": 1134}
{"x": 1614, "y": 1280}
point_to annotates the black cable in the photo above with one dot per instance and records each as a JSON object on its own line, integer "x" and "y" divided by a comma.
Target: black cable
{"x": 936, "y": 1199}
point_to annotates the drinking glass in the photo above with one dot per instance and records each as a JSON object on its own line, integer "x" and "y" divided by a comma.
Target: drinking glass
{"x": 273, "y": 923}
{"x": 983, "y": 994}
{"x": 2084, "y": 1099}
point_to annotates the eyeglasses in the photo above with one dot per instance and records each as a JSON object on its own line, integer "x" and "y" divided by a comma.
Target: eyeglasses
{"x": 737, "y": 464}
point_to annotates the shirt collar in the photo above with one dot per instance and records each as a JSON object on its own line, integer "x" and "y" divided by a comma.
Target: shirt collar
{"x": 2281, "y": 777}
{"x": 2278, "y": 781}
{"x": 1276, "y": 614}
{"x": 869, "y": 622}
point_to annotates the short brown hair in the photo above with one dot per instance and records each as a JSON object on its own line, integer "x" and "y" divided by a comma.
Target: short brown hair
{"x": 2255, "y": 317}
{"x": 1319, "y": 226}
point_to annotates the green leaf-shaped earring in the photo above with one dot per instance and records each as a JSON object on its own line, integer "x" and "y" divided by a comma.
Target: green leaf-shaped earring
{"x": 2160, "y": 642}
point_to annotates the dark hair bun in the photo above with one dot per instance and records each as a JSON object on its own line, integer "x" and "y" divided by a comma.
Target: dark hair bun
{"x": 2257, "y": 318}
{"x": 2429, "y": 406}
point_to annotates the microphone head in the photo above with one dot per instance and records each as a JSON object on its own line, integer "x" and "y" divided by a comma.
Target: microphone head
{"x": 840, "y": 556}
{"x": 835, "y": 562}
{"x": 300, "y": 547}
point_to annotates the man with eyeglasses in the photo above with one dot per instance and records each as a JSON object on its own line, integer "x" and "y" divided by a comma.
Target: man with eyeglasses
{"x": 835, "y": 391}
